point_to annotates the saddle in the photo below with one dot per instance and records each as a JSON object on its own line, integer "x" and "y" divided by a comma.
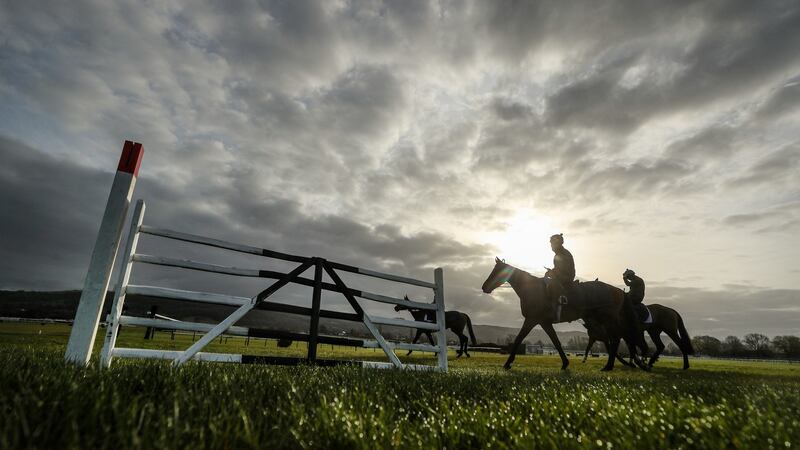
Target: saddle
{"x": 643, "y": 313}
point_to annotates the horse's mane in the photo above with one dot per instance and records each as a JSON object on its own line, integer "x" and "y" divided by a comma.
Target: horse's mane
{"x": 525, "y": 272}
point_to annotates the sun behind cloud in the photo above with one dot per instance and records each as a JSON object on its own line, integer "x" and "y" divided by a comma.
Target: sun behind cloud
{"x": 524, "y": 241}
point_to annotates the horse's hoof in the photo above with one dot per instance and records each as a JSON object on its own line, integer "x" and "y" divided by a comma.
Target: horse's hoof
{"x": 606, "y": 369}
{"x": 685, "y": 367}
{"x": 458, "y": 355}
{"x": 507, "y": 366}
{"x": 468, "y": 355}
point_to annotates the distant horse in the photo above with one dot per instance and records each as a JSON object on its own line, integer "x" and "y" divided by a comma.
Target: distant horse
{"x": 453, "y": 320}
{"x": 665, "y": 320}
{"x": 595, "y": 300}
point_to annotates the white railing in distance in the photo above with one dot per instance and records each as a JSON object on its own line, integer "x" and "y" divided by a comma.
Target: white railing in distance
{"x": 406, "y": 323}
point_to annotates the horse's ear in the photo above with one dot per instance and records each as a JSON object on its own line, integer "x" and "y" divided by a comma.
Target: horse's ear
{"x": 405, "y": 297}
{"x": 497, "y": 260}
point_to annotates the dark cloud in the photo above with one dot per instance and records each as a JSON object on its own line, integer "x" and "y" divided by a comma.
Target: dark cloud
{"x": 737, "y": 309}
{"x": 783, "y": 101}
{"x": 773, "y": 169}
{"x": 710, "y": 143}
{"x": 51, "y": 209}
{"x": 510, "y": 110}
{"x": 776, "y": 219}
{"x": 640, "y": 179}
{"x": 57, "y": 198}
{"x": 739, "y": 48}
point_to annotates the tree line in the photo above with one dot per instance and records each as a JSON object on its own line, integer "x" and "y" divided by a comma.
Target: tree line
{"x": 752, "y": 345}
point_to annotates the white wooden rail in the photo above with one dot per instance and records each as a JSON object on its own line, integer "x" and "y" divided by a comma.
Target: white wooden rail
{"x": 238, "y": 271}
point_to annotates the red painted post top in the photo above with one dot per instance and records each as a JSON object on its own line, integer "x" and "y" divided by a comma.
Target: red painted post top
{"x": 131, "y": 158}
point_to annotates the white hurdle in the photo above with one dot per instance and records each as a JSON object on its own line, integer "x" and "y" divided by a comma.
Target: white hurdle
{"x": 98, "y": 277}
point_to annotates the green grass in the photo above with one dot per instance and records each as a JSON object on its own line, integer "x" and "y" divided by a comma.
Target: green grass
{"x": 47, "y": 403}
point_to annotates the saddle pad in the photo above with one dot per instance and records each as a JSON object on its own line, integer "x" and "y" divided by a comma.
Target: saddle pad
{"x": 649, "y": 319}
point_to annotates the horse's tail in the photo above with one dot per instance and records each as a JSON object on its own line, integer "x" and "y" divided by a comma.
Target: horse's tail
{"x": 471, "y": 333}
{"x": 686, "y": 341}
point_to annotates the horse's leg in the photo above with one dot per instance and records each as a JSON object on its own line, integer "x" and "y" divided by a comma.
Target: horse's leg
{"x": 677, "y": 340}
{"x": 611, "y": 347}
{"x": 656, "y": 337}
{"x": 416, "y": 338}
{"x": 588, "y": 347}
{"x": 685, "y": 359}
{"x": 634, "y": 357}
{"x": 551, "y": 333}
{"x": 458, "y": 329}
{"x": 527, "y": 326}
{"x": 463, "y": 337}
{"x": 625, "y": 363}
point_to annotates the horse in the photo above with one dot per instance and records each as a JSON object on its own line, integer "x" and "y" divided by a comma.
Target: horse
{"x": 602, "y": 302}
{"x": 455, "y": 321}
{"x": 665, "y": 320}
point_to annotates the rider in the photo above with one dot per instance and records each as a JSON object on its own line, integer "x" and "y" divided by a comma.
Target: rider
{"x": 563, "y": 272}
{"x": 636, "y": 293}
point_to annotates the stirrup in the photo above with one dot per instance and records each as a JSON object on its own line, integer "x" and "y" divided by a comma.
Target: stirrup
{"x": 562, "y": 300}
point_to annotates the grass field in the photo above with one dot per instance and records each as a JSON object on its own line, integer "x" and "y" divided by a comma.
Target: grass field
{"x": 47, "y": 403}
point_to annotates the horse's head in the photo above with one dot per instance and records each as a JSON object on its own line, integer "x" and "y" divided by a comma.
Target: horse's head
{"x": 500, "y": 274}
{"x": 401, "y": 307}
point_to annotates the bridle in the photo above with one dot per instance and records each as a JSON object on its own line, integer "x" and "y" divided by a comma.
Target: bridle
{"x": 503, "y": 275}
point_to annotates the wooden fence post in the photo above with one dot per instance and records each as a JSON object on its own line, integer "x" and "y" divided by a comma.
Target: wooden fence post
{"x": 438, "y": 279}
{"x": 315, "y": 306}
{"x": 87, "y": 317}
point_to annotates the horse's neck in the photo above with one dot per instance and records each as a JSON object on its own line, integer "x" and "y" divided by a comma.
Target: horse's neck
{"x": 521, "y": 284}
{"x": 417, "y": 314}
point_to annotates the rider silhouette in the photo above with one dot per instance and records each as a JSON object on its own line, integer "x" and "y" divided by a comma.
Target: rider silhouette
{"x": 636, "y": 293}
{"x": 562, "y": 274}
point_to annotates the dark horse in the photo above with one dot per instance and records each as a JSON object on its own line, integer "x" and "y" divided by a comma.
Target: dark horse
{"x": 601, "y": 303}
{"x": 665, "y": 320}
{"x": 454, "y": 320}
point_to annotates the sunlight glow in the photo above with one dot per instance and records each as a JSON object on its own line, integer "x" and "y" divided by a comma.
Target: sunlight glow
{"x": 525, "y": 241}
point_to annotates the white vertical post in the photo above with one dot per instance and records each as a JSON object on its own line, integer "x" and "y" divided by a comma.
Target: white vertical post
{"x": 438, "y": 296}
{"x": 112, "y": 323}
{"x": 87, "y": 318}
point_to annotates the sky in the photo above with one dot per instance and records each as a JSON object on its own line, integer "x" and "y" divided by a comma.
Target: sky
{"x": 403, "y": 136}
